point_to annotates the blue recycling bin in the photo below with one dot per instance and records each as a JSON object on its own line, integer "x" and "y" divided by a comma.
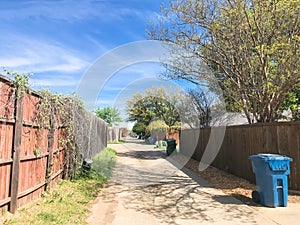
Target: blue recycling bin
{"x": 271, "y": 172}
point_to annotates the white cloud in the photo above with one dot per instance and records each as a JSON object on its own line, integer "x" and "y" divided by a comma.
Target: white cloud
{"x": 31, "y": 55}
{"x": 14, "y": 61}
{"x": 54, "y": 81}
{"x": 70, "y": 10}
{"x": 144, "y": 69}
{"x": 96, "y": 43}
{"x": 104, "y": 102}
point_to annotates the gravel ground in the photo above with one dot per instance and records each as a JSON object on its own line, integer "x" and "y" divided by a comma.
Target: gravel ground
{"x": 230, "y": 184}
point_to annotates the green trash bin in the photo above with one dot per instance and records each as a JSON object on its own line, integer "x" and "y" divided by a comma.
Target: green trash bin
{"x": 171, "y": 146}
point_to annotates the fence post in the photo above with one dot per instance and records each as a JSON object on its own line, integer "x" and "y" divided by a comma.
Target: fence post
{"x": 52, "y": 123}
{"x": 16, "y": 153}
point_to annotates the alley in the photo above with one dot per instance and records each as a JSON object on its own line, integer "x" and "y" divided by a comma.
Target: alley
{"x": 147, "y": 189}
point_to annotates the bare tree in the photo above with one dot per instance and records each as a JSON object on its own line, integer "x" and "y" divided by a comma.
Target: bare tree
{"x": 252, "y": 48}
{"x": 202, "y": 106}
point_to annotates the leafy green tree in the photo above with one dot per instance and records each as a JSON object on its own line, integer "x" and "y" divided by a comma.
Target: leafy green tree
{"x": 157, "y": 103}
{"x": 156, "y": 125}
{"x": 173, "y": 106}
{"x": 252, "y": 48}
{"x": 292, "y": 102}
{"x": 110, "y": 115}
{"x": 139, "y": 128}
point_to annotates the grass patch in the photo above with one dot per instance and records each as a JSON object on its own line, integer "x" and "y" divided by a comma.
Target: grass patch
{"x": 115, "y": 142}
{"x": 121, "y": 141}
{"x": 69, "y": 201}
{"x": 46, "y": 217}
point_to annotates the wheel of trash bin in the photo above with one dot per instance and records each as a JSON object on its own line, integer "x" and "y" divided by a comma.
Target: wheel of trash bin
{"x": 168, "y": 152}
{"x": 255, "y": 196}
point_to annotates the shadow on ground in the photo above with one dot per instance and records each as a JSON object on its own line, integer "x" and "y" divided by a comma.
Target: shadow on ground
{"x": 135, "y": 141}
{"x": 148, "y": 155}
{"x": 172, "y": 197}
{"x": 225, "y": 181}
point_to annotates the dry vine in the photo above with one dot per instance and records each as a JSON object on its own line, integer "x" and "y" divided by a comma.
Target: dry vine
{"x": 78, "y": 130}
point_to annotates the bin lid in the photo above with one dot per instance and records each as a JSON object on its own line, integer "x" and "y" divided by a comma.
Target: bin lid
{"x": 170, "y": 140}
{"x": 276, "y": 162}
{"x": 279, "y": 165}
{"x": 270, "y": 157}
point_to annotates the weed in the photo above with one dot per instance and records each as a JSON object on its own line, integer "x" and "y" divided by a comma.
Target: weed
{"x": 69, "y": 201}
{"x": 103, "y": 162}
{"x": 47, "y": 217}
{"x": 36, "y": 151}
{"x": 116, "y": 142}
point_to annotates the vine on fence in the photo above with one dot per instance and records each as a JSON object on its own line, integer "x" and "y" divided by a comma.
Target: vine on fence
{"x": 19, "y": 84}
{"x": 68, "y": 114}
{"x": 20, "y": 81}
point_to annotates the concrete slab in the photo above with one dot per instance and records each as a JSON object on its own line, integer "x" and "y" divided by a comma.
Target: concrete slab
{"x": 148, "y": 189}
{"x": 289, "y": 215}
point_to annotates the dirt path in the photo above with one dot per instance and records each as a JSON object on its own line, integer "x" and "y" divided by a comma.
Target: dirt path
{"x": 147, "y": 189}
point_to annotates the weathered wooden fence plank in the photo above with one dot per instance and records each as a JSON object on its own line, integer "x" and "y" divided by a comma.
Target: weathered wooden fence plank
{"x": 31, "y": 157}
{"x": 16, "y": 154}
{"x": 50, "y": 147}
{"x": 244, "y": 140}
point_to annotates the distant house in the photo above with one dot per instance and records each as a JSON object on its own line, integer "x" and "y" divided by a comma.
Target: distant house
{"x": 228, "y": 119}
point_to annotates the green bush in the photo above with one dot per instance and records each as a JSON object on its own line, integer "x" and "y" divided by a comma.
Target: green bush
{"x": 69, "y": 201}
{"x": 156, "y": 125}
{"x": 104, "y": 162}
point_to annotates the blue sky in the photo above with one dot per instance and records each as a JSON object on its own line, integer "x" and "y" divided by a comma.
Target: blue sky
{"x": 59, "y": 40}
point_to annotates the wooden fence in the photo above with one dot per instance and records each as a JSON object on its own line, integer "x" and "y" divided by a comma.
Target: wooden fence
{"x": 32, "y": 158}
{"x": 175, "y": 134}
{"x": 116, "y": 134}
{"x": 242, "y": 141}
{"x": 162, "y": 134}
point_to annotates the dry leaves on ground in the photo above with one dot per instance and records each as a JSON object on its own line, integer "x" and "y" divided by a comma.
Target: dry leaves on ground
{"x": 230, "y": 184}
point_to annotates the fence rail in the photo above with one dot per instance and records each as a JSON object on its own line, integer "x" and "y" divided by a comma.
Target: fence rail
{"x": 244, "y": 140}
{"x": 32, "y": 158}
